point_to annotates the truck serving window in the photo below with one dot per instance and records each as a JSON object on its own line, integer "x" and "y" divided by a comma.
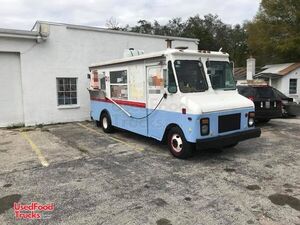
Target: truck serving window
{"x": 190, "y": 76}
{"x": 220, "y": 74}
{"x": 118, "y": 84}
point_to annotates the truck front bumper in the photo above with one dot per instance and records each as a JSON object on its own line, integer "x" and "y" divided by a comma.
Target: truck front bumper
{"x": 227, "y": 140}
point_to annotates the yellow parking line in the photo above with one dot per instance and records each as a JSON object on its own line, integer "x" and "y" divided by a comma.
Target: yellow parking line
{"x": 35, "y": 149}
{"x": 112, "y": 138}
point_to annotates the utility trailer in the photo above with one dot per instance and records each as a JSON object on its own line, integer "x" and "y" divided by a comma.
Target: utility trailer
{"x": 184, "y": 97}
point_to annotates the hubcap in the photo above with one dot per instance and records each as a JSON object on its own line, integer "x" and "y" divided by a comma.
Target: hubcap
{"x": 104, "y": 122}
{"x": 176, "y": 142}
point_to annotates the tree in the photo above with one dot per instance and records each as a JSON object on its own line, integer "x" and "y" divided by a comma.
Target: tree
{"x": 210, "y": 30}
{"x": 175, "y": 27}
{"x": 237, "y": 46}
{"x": 274, "y": 34}
{"x": 214, "y": 35}
{"x": 112, "y": 24}
{"x": 144, "y": 27}
{"x": 202, "y": 29}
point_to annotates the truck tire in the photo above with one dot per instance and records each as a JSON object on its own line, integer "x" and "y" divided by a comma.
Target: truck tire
{"x": 178, "y": 145}
{"x": 105, "y": 122}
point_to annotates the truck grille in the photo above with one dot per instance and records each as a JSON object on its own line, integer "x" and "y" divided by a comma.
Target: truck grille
{"x": 229, "y": 122}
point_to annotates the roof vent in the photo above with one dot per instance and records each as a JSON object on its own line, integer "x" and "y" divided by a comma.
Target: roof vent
{"x": 132, "y": 52}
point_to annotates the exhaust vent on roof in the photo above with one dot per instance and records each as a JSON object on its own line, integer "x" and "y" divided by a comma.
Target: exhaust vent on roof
{"x": 132, "y": 52}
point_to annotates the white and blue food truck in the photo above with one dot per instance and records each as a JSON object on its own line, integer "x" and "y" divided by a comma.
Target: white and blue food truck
{"x": 185, "y": 97}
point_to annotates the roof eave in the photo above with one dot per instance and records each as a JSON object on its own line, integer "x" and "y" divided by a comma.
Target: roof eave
{"x": 98, "y": 29}
{"x": 268, "y": 75}
{"x": 78, "y": 27}
{"x": 18, "y": 33}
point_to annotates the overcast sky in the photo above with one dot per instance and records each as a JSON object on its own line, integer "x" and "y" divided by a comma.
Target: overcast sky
{"x": 22, "y": 14}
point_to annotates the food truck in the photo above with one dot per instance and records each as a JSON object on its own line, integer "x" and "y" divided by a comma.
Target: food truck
{"x": 184, "y": 97}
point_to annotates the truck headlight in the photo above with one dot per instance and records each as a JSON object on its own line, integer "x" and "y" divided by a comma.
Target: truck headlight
{"x": 251, "y": 119}
{"x": 204, "y": 122}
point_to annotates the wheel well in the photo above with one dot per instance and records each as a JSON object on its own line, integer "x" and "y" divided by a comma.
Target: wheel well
{"x": 104, "y": 111}
{"x": 168, "y": 128}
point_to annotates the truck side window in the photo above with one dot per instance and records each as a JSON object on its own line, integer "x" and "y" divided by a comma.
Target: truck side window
{"x": 165, "y": 77}
{"x": 172, "y": 88}
{"x": 102, "y": 81}
{"x": 118, "y": 84}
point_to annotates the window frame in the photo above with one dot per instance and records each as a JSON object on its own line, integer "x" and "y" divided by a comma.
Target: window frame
{"x": 102, "y": 80}
{"x": 175, "y": 72}
{"x": 207, "y": 64}
{"x": 295, "y": 86}
{"x": 170, "y": 73}
{"x": 58, "y": 91}
{"x": 118, "y": 84}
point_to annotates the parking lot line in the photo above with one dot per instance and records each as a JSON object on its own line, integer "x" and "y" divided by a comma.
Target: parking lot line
{"x": 37, "y": 151}
{"x": 112, "y": 138}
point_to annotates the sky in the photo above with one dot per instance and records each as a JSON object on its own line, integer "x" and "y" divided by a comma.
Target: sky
{"x": 22, "y": 14}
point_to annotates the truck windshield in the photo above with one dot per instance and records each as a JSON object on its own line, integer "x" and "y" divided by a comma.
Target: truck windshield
{"x": 190, "y": 76}
{"x": 220, "y": 74}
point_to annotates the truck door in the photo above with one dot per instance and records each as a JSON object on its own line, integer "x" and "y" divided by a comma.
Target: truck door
{"x": 155, "y": 91}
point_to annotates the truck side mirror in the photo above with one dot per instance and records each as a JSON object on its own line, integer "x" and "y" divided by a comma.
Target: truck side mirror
{"x": 172, "y": 89}
{"x": 88, "y": 76}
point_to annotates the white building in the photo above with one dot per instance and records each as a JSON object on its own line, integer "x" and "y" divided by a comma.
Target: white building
{"x": 43, "y": 72}
{"x": 284, "y": 77}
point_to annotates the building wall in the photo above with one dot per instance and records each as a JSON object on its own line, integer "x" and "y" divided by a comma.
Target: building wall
{"x": 67, "y": 53}
{"x": 285, "y": 84}
{"x": 275, "y": 83}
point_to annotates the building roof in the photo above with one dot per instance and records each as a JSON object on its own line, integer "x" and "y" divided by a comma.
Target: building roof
{"x": 98, "y": 29}
{"x": 240, "y": 73}
{"x": 278, "y": 70}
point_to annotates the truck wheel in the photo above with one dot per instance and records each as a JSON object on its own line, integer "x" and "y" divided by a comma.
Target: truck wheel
{"x": 178, "y": 145}
{"x": 106, "y": 123}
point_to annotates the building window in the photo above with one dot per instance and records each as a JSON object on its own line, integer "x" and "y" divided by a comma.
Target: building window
{"x": 118, "y": 84}
{"x": 293, "y": 86}
{"x": 66, "y": 91}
